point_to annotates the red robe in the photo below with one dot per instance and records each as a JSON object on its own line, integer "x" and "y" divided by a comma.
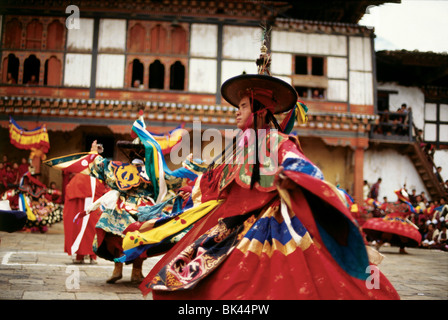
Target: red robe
{"x": 395, "y": 228}
{"x": 77, "y": 190}
{"x": 244, "y": 250}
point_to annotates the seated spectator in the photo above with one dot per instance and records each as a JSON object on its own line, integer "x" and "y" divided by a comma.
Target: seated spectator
{"x": 441, "y": 241}
{"x": 10, "y": 79}
{"x": 421, "y": 203}
{"x": 33, "y": 81}
{"x": 23, "y": 167}
{"x": 9, "y": 178}
{"x": 2, "y": 176}
{"x": 424, "y": 198}
{"x": 430, "y": 209}
{"x": 384, "y": 125}
{"x": 428, "y": 237}
{"x": 15, "y": 172}
{"x": 318, "y": 94}
{"x": 5, "y": 161}
{"x": 136, "y": 84}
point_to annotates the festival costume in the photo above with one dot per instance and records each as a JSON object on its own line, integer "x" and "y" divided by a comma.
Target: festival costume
{"x": 132, "y": 187}
{"x": 77, "y": 198}
{"x": 262, "y": 240}
{"x": 254, "y": 239}
{"x": 394, "y": 226}
{"x": 268, "y": 242}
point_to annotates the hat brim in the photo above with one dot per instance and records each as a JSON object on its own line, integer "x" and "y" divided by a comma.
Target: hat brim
{"x": 284, "y": 94}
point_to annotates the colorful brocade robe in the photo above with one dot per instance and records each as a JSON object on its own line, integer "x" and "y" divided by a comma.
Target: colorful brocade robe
{"x": 131, "y": 196}
{"x": 134, "y": 190}
{"x": 268, "y": 242}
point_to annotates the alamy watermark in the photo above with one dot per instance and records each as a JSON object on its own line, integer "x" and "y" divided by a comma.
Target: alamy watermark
{"x": 72, "y": 21}
{"x": 73, "y": 279}
{"x": 373, "y": 280}
{"x": 242, "y": 151}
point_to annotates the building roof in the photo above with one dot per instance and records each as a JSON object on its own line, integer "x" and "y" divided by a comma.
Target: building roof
{"x": 412, "y": 68}
{"x": 342, "y": 11}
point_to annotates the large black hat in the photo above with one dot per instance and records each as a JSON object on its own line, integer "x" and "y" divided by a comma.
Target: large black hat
{"x": 272, "y": 92}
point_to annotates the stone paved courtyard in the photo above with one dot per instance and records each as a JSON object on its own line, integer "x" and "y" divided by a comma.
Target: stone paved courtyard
{"x": 34, "y": 267}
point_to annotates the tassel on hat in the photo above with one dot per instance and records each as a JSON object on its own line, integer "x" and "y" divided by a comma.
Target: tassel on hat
{"x": 298, "y": 113}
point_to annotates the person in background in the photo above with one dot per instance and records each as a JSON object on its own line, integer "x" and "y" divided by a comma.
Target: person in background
{"x": 365, "y": 190}
{"x": 5, "y": 161}
{"x": 424, "y": 198}
{"x": 375, "y": 189}
{"x": 81, "y": 191}
{"x": 10, "y": 177}
{"x": 413, "y": 198}
{"x": 428, "y": 237}
{"x": 442, "y": 238}
{"x": 438, "y": 174}
{"x": 23, "y": 167}
{"x": 10, "y": 79}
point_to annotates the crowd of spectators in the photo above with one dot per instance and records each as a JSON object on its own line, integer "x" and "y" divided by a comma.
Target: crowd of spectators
{"x": 394, "y": 123}
{"x": 429, "y": 216}
{"x": 11, "y": 172}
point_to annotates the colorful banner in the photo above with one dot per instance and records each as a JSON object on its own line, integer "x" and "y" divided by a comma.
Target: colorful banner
{"x": 22, "y": 139}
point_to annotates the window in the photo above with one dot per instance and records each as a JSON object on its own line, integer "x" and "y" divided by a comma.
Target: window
{"x": 301, "y": 65}
{"x": 177, "y": 76}
{"x": 11, "y": 64}
{"x": 137, "y": 73}
{"x": 307, "y": 65}
{"x": 317, "y": 93}
{"x": 317, "y": 66}
{"x": 310, "y": 93}
{"x": 157, "y": 54}
{"x": 309, "y": 78}
{"x": 156, "y": 75}
{"x": 31, "y": 70}
{"x": 302, "y": 91}
{"x": 436, "y": 123}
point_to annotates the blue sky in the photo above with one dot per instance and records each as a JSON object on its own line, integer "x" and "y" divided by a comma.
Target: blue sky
{"x": 411, "y": 25}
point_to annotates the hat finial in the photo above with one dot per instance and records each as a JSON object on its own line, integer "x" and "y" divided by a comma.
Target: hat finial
{"x": 264, "y": 60}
